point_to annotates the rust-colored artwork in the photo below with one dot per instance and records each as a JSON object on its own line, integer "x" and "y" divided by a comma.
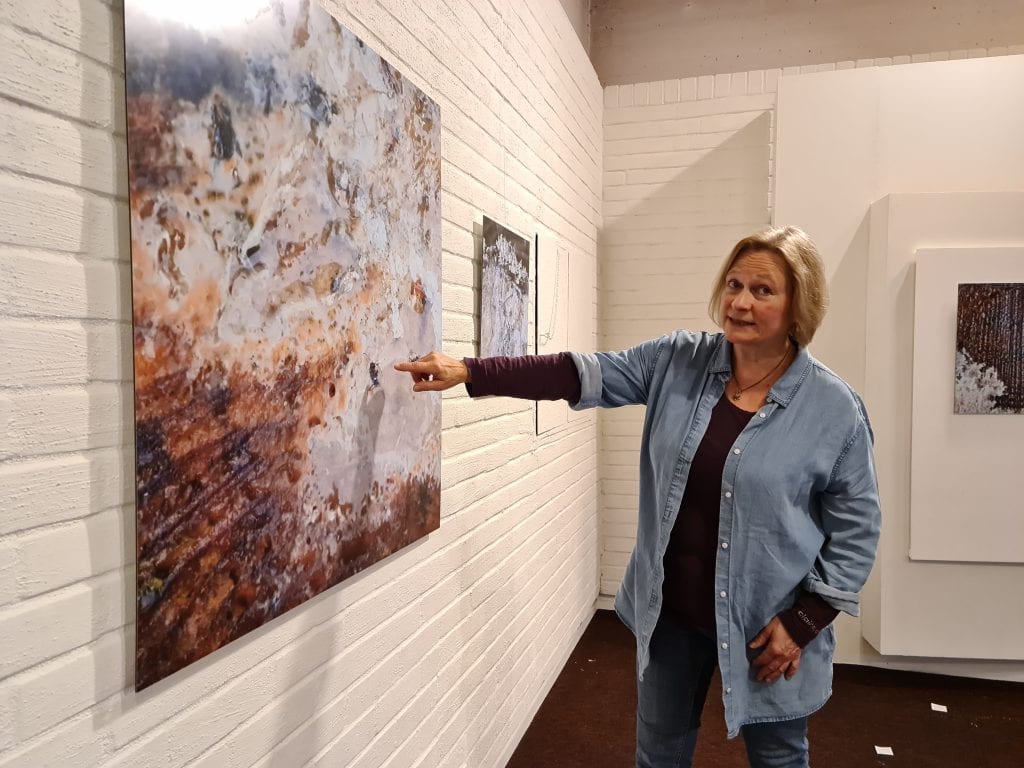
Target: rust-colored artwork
{"x": 286, "y": 235}
{"x": 989, "y": 374}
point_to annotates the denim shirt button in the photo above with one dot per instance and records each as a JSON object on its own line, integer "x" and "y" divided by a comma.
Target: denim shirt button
{"x": 762, "y": 414}
{"x": 736, "y": 451}
{"x": 728, "y": 494}
{"x": 725, "y": 646}
{"x": 728, "y": 690}
{"x": 725, "y": 545}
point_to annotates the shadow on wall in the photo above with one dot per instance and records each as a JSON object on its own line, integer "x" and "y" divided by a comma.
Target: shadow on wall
{"x": 667, "y": 229}
{"x": 108, "y": 299}
{"x": 842, "y": 333}
{"x": 107, "y": 282}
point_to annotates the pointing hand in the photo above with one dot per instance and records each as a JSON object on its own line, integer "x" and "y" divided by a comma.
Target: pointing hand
{"x": 435, "y": 372}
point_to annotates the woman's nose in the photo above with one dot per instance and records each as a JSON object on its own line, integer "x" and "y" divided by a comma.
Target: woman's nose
{"x": 742, "y": 300}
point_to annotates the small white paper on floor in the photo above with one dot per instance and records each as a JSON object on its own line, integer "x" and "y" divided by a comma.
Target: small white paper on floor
{"x": 883, "y": 750}
{"x": 939, "y": 707}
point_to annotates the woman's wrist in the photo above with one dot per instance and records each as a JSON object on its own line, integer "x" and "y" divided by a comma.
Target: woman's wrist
{"x": 808, "y": 616}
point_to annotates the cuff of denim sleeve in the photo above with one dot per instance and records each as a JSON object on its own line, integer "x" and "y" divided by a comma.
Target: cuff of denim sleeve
{"x": 807, "y": 618}
{"x": 841, "y": 600}
{"x": 588, "y": 366}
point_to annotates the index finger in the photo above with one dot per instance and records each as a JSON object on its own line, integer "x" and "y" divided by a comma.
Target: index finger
{"x": 412, "y": 367}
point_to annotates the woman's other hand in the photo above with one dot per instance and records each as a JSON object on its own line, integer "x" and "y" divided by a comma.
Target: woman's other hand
{"x": 435, "y": 372}
{"x": 781, "y": 656}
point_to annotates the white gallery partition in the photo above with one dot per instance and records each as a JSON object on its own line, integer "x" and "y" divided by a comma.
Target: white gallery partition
{"x": 963, "y": 456}
{"x": 878, "y": 165}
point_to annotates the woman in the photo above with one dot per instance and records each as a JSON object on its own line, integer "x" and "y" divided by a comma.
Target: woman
{"x": 758, "y": 514}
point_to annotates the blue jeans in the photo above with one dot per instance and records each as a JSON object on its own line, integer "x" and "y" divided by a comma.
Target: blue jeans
{"x": 671, "y": 697}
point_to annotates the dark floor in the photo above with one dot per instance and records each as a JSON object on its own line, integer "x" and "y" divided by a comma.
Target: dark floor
{"x": 587, "y": 719}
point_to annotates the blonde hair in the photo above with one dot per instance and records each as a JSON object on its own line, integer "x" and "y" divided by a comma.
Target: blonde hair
{"x": 805, "y": 274}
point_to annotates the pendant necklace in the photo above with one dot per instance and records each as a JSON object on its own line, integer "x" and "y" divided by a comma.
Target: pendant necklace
{"x": 740, "y": 390}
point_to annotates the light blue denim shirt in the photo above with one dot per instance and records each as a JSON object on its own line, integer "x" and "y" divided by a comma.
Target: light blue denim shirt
{"x": 799, "y": 505}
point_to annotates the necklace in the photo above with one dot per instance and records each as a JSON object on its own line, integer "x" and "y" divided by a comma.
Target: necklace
{"x": 740, "y": 390}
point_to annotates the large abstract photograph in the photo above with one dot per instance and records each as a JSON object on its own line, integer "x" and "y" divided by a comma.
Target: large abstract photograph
{"x": 989, "y": 375}
{"x": 504, "y": 292}
{"x": 286, "y": 235}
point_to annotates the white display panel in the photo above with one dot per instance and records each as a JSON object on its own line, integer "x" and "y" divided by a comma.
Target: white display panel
{"x": 552, "y": 319}
{"x": 847, "y": 171}
{"x": 964, "y": 475}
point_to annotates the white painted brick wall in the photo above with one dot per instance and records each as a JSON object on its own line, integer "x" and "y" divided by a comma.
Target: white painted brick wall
{"x": 686, "y": 174}
{"x": 438, "y": 656}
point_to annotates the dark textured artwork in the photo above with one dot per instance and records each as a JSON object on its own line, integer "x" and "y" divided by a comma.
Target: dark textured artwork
{"x": 504, "y": 291}
{"x": 285, "y": 219}
{"x": 989, "y": 348}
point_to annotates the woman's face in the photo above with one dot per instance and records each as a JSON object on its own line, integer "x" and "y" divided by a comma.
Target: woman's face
{"x": 756, "y": 305}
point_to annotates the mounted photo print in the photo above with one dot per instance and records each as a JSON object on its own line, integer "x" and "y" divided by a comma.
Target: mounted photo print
{"x": 989, "y": 375}
{"x": 504, "y": 292}
{"x": 286, "y": 251}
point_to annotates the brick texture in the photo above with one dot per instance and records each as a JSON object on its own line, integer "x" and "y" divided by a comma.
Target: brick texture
{"x": 438, "y": 656}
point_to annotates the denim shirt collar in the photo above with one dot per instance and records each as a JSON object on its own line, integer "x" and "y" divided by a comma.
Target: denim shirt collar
{"x": 785, "y": 388}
